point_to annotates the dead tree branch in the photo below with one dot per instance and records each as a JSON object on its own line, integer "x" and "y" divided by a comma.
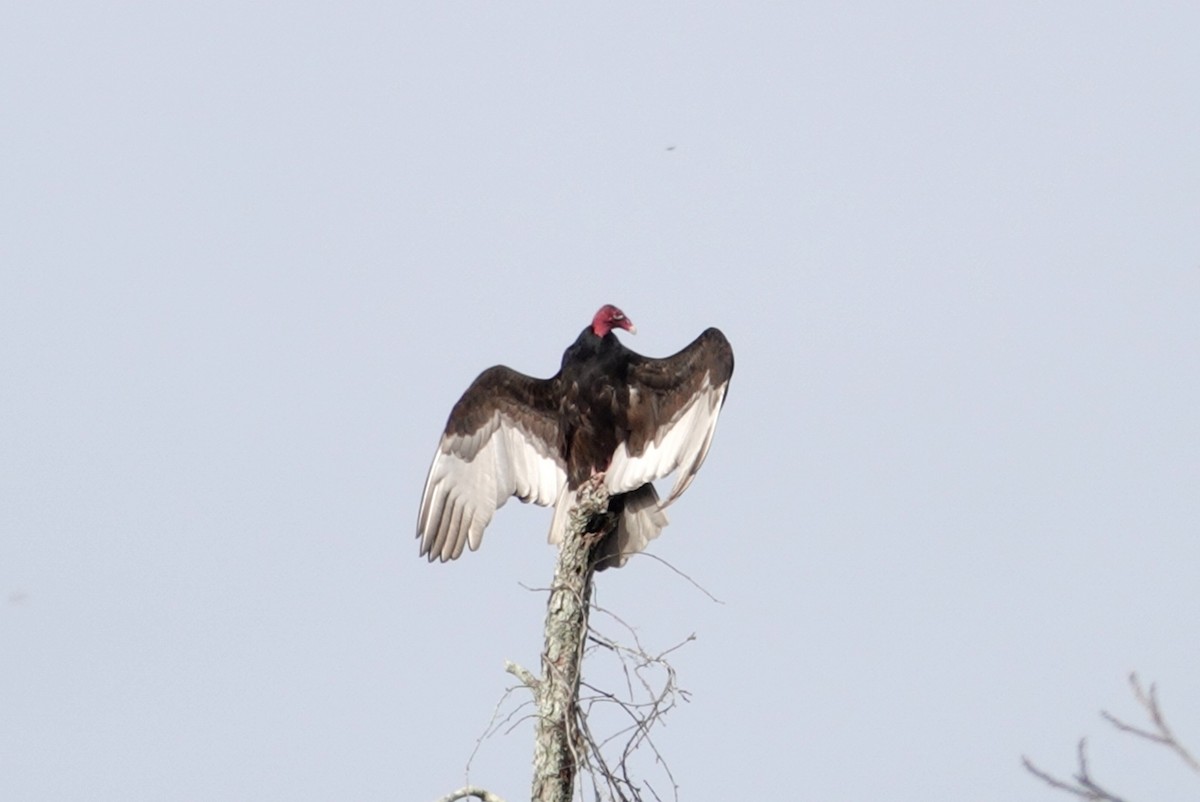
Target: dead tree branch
{"x": 1082, "y": 784}
{"x": 557, "y": 746}
{"x": 470, "y": 790}
{"x": 650, "y": 692}
{"x": 1162, "y": 734}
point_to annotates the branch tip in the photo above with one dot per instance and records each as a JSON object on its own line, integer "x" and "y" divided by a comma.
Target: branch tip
{"x": 471, "y": 790}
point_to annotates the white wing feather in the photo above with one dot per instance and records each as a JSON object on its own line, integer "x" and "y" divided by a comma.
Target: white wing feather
{"x": 680, "y": 444}
{"x": 474, "y": 475}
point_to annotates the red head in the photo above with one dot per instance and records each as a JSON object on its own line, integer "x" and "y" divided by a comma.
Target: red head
{"x": 609, "y": 318}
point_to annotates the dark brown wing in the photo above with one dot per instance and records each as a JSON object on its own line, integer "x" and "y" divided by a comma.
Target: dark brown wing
{"x": 673, "y": 407}
{"x": 502, "y": 440}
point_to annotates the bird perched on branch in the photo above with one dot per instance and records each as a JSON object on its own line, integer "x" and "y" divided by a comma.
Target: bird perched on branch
{"x": 608, "y": 411}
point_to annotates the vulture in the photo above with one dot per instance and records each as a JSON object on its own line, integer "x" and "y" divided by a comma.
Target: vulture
{"x": 608, "y": 410}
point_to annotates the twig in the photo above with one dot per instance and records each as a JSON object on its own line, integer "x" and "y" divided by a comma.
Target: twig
{"x": 1148, "y": 699}
{"x": 693, "y": 582}
{"x": 495, "y": 723}
{"x": 1084, "y": 786}
{"x": 651, "y": 691}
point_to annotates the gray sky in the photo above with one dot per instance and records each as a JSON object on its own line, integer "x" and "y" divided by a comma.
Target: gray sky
{"x": 252, "y": 256}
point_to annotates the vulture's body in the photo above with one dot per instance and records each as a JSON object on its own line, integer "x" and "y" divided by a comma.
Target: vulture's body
{"x": 608, "y": 411}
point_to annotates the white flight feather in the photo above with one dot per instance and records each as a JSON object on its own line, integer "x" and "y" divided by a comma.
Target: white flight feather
{"x": 474, "y": 475}
{"x": 682, "y": 443}
{"x": 562, "y": 509}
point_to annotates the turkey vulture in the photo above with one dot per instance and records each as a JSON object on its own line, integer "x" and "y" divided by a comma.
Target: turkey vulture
{"x": 608, "y": 410}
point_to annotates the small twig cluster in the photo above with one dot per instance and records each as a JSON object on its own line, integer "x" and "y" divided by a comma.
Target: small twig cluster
{"x": 1162, "y": 734}
{"x": 611, "y": 726}
{"x": 1082, "y": 784}
{"x": 649, "y": 691}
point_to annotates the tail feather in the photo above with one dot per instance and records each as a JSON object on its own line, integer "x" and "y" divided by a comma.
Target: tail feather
{"x": 640, "y": 518}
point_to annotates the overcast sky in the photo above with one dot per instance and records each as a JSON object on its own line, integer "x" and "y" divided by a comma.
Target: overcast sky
{"x": 250, "y": 256}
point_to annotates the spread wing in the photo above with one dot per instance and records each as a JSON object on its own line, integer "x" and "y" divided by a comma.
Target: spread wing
{"x": 502, "y": 439}
{"x": 673, "y": 407}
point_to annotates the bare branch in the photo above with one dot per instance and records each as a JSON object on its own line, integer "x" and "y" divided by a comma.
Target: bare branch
{"x": 522, "y": 673}
{"x": 650, "y": 691}
{"x": 1148, "y": 699}
{"x": 470, "y": 790}
{"x": 495, "y": 723}
{"x": 693, "y": 582}
{"x": 1083, "y": 786}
